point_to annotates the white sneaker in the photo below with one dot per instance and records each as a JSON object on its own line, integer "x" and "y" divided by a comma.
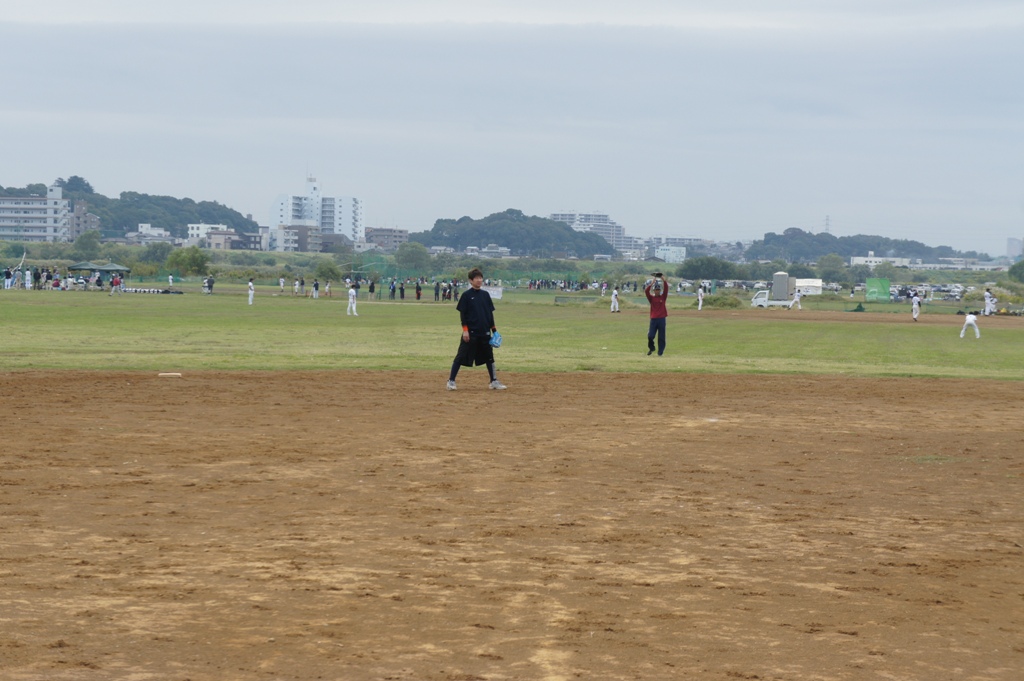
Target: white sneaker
{"x": 497, "y": 385}
{"x": 451, "y": 385}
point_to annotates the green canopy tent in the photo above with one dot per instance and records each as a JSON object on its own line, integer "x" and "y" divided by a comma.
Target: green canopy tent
{"x": 112, "y": 267}
{"x": 85, "y": 265}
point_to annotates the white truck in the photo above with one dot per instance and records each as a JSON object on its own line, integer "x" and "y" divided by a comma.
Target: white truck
{"x": 762, "y": 299}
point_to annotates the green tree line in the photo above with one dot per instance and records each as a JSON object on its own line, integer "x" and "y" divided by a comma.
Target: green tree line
{"x": 522, "y": 234}
{"x": 796, "y": 245}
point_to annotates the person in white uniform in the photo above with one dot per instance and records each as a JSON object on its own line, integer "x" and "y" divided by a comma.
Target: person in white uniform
{"x": 352, "y": 294}
{"x": 988, "y": 303}
{"x": 795, "y": 301}
{"x": 615, "y": 299}
{"x": 971, "y": 320}
{"x": 252, "y": 291}
{"x": 915, "y": 306}
{"x": 700, "y": 297}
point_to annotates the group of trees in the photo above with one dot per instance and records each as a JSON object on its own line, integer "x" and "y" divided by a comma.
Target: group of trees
{"x": 796, "y": 245}
{"x": 522, "y": 234}
{"x": 130, "y": 209}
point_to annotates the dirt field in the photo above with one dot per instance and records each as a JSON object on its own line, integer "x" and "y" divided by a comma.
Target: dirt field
{"x": 366, "y": 525}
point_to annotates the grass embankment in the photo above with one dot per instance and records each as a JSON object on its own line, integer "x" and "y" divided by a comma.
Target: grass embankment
{"x": 93, "y": 331}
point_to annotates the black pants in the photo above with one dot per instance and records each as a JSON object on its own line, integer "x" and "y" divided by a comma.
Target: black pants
{"x": 657, "y": 327}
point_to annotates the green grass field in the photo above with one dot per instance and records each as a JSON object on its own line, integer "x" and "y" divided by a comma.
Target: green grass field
{"x": 79, "y": 330}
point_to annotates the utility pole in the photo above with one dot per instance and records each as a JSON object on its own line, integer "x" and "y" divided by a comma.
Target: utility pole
{"x": 827, "y": 225}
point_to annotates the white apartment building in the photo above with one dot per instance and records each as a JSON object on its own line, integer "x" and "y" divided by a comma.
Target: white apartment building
{"x": 334, "y": 214}
{"x": 197, "y": 232}
{"x": 601, "y": 224}
{"x": 671, "y": 254}
{"x": 149, "y": 230}
{"x": 34, "y": 218}
{"x": 280, "y": 238}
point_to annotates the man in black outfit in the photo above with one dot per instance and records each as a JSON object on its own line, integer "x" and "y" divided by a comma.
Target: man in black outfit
{"x": 477, "y": 313}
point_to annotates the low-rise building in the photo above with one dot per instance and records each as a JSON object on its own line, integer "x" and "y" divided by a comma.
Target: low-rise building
{"x": 871, "y": 261}
{"x": 199, "y": 231}
{"x": 494, "y": 251}
{"x": 387, "y": 238}
{"x": 80, "y": 220}
{"x": 671, "y": 254}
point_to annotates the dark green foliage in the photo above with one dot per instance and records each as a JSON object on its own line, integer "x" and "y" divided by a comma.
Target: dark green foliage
{"x": 1017, "y": 271}
{"x": 75, "y": 184}
{"x": 118, "y": 216}
{"x": 124, "y": 214}
{"x": 188, "y": 261}
{"x": 523, "y": 234}
{"x": 706, "y": 267}
{"x": 796, "y": 245}
{"x": 27, "y": 190}
{"x": 156, "y": 252}
{"x": 87, "y": 246}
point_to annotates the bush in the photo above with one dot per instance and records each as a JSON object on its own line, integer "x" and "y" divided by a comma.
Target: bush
{"x": 721, "y": 302}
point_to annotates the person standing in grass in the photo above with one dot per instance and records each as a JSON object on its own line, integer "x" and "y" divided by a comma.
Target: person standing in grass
{"x": 971, "y": 320}
{"x": 615, "y": 299}
{"x": 252, "y": 290}
{"x": 353, "y": 293}
{"x": 657, "y": 295}
{"x": 915, "y": 306}
{"x": 476, "y": 311}
{"x": 700, "y": 297}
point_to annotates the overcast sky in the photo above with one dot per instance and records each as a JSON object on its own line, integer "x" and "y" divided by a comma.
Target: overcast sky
{"x": 721, "y": 120}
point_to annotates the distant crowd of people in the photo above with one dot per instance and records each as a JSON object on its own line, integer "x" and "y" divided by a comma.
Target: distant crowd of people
{"x": 46, "y": 279}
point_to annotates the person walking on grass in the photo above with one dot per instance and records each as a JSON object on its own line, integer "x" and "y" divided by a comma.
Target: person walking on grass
{"x": 476, "y": 312}
{"x": 915, "y": 306}
{"x": 615, "y": 299}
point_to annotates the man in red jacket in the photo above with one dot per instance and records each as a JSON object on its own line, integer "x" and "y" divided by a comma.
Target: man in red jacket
{"x": 657, "y": 294}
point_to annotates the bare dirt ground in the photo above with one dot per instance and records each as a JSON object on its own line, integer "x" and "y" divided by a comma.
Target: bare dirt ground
{"x": 359, "y": 525}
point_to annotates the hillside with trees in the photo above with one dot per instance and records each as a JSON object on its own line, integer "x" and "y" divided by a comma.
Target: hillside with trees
{"x": 796, "y": 245}
{"x": 523, "y": 234}
{"x": 125, "y": 213}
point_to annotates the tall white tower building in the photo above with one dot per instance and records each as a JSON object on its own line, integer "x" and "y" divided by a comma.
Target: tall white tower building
{"x": 334, "y": 214}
